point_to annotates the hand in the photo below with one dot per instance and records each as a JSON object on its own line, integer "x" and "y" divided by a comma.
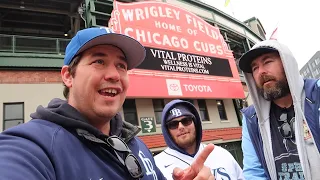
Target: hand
{"x": 197, "y": 170}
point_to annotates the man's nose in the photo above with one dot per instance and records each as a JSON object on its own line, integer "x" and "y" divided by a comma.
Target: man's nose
{"x": 112, "y": 73}
{"x": 262, "y": 70}
{"x": 180, "y": 125}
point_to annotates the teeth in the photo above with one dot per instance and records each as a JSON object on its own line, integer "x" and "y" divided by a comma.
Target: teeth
{"x": 113, "y": 91}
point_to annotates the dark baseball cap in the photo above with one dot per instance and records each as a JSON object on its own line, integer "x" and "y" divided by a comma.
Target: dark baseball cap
{"x": 177, "y": 111}
{"x": 247, "y": 58}
{"x": 84, "y": 39}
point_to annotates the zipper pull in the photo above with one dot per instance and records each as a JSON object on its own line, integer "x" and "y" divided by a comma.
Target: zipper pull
{"x": 310, "y": 101}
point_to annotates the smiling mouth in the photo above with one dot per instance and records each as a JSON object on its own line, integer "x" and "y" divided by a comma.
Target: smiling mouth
{"x": 109, "y": 92}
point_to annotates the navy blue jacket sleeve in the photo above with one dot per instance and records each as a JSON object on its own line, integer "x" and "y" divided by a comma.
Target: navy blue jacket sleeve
{"x": 22, "y": 158}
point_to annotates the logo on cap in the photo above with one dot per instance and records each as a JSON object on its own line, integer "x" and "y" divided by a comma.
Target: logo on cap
{"x": 108, "y": 30}
{"x": 175, "y": 112}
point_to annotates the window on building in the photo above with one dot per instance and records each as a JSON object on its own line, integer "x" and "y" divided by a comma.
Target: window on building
{"x": 222, "y": 110}
{"x": 158, "y": 105}
{"x": 13, "y": 114}
{"x": 130, "y": 111}
{"x": 203, "y": 110}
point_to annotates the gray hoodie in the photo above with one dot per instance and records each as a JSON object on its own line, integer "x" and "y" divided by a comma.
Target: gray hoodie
{"x": 262, "y": 107}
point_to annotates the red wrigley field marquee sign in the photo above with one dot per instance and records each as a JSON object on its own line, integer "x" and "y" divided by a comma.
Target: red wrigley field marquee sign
{"x": 185, "y": 56}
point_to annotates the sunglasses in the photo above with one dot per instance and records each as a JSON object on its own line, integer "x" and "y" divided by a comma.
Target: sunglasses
{"x": 184, "y": 121}
{"x": 287, "y": 128}
{"x": 131, "y": 162}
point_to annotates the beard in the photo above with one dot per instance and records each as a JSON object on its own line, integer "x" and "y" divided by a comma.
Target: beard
{"x": 279, "y": 90}
{"x": 186, "y": 143}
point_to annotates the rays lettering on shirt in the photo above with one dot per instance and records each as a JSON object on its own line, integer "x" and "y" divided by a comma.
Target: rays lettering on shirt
{"x": 148, "y": 165}
{"x": 220, "y": 173}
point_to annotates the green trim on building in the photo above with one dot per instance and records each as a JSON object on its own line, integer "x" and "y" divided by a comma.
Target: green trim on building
{"x": 8, "y": 60}
{"x": 37, "y": 52}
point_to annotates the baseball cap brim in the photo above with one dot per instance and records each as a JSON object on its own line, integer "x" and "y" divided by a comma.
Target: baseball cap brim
{"x": 247, "y": 58}
{"x": 134, "y": 52}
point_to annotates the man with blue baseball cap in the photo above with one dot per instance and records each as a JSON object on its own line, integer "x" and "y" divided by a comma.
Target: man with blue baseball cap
{"x": 84, "y": 137}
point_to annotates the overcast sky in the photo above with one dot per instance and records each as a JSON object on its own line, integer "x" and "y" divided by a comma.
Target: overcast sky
{"x": 298, "y": 21}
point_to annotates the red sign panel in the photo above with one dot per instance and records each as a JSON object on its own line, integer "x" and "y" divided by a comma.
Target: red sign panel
{"x": 160, "y": 86}
{"x": 186, "y": 56}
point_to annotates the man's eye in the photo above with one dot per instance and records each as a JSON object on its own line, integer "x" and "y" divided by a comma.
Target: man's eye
{"x": 267, "y": 62}
{"x": 254, "y": 68}
{"x": 122, "y": 66}
{"x": 99, "y": 61}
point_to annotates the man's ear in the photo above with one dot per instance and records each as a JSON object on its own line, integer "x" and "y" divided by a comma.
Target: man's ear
{"x": 66, "y": 76}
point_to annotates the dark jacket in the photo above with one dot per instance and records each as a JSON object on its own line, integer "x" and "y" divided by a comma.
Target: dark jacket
{"x": 312, "y": 105}
{"x": 58, "y": 143}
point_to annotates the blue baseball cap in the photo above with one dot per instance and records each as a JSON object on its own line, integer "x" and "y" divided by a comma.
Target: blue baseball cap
{"x": 134, "y": 52}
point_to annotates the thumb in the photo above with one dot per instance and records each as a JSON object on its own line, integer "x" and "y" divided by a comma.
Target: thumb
{"x": 177, "y": 173}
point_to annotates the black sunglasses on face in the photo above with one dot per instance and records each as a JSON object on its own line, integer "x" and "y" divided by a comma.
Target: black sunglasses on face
{"x": 175, "y": 124}
{"x": 287, "y": 128}
{"x": 131, "y": 162}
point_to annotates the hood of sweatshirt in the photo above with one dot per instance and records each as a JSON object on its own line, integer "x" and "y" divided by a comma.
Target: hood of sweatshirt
{"x": 197, "y": 122}
{"x": 262, "y": 106}
{"x": 60, "y": 112}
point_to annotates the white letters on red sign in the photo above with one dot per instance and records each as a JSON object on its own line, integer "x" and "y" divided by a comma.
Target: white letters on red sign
{"x": 197, "y": 88}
